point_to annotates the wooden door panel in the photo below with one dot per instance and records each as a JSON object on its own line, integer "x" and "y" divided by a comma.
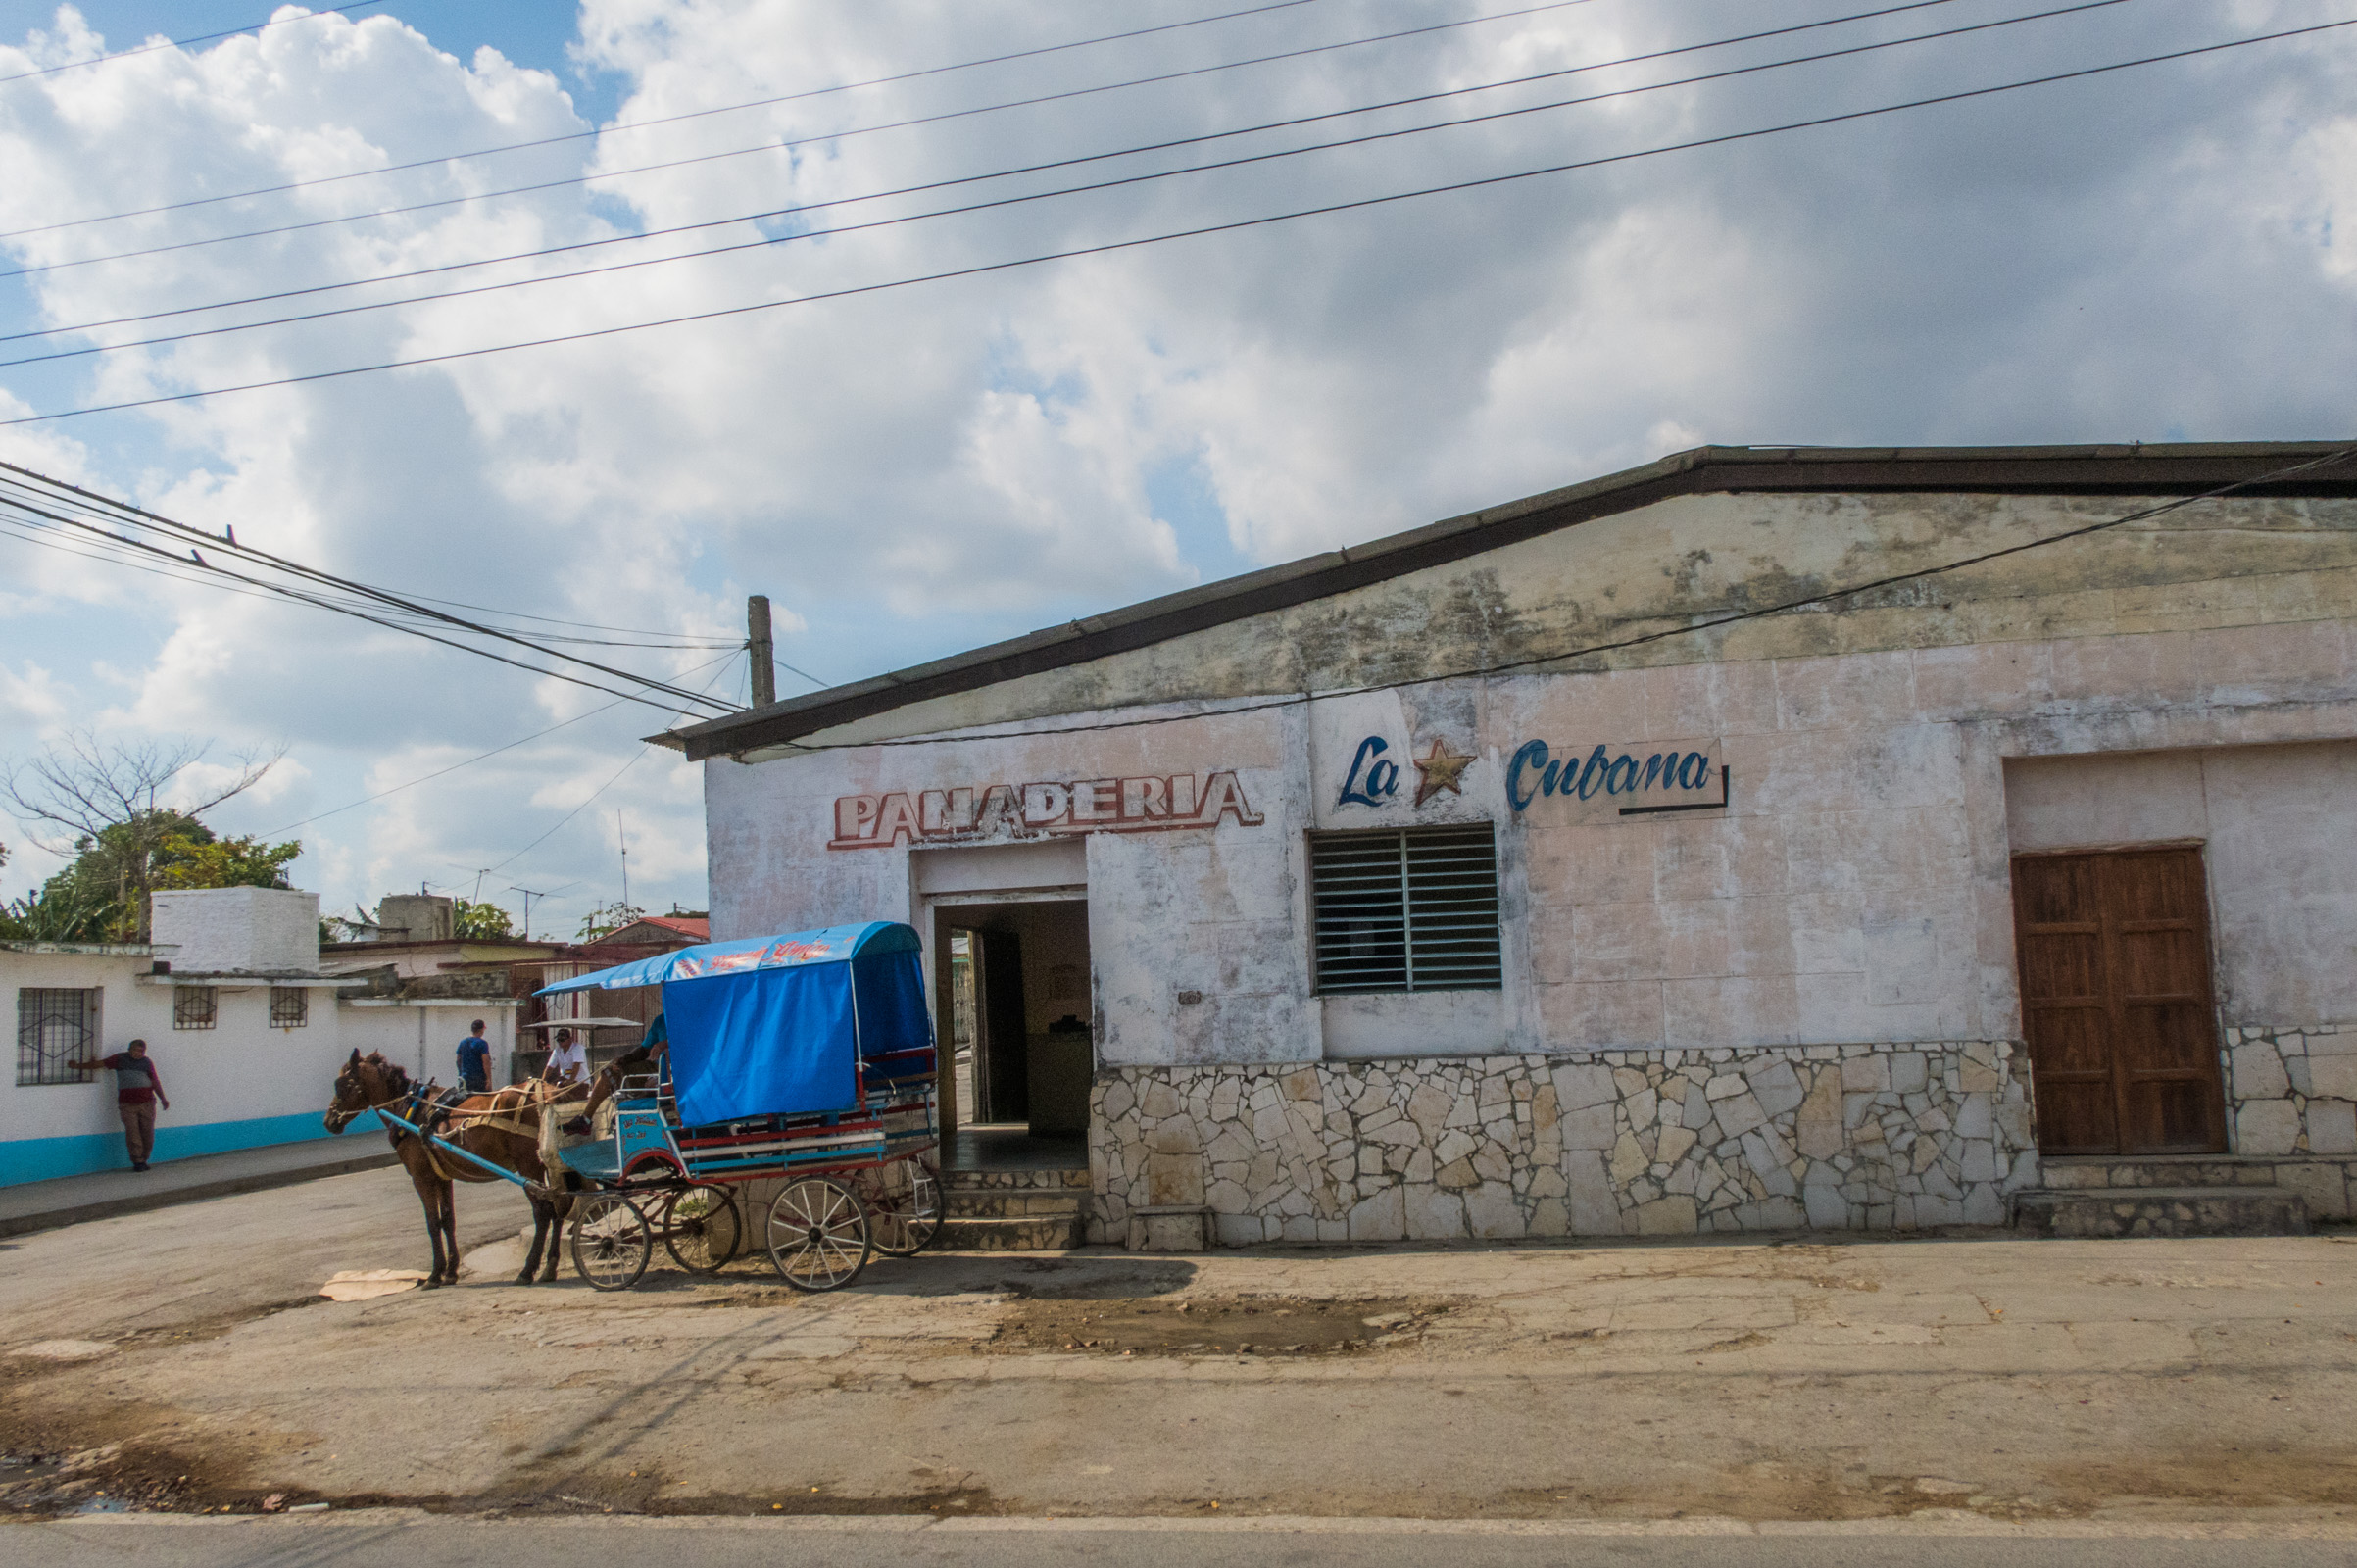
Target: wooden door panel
{"x": 2068, "y": 1042}
{"x": 2052, "y": 889}
{"x": 2064, "y": 966}
{"x": 2114, "y": 955}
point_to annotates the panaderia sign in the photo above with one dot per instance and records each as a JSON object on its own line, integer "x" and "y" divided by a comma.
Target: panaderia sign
{"x": 1151, "y": 803}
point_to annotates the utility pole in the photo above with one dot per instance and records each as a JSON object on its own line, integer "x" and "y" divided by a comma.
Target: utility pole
{"x": 765, "y": 651}
{"x": 622, "y": 838}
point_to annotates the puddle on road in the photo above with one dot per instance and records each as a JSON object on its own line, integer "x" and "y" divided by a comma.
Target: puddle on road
{"x": 1217, "y": 1325}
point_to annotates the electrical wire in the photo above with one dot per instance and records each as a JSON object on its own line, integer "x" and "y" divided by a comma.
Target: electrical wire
{"x": 768, "y": 243}
{"x": 1113, "y": 246}
{"x": 772, "y": 214}
{"x": 56, "y": 492}
{"x": 442, "y": 773}
{"x": 665, "y": 119}
{"x": 809, "y": 141}
{"x": 635, "y": 757}
{"x": 182, "y": 43}
{"x": 1593, "y": 649}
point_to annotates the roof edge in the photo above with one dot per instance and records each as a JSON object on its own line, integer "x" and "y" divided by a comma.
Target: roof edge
{"x": 2131, "y": 468}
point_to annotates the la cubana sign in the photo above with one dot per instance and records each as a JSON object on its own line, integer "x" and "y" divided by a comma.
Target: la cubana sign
{"x": 968, "y": 814}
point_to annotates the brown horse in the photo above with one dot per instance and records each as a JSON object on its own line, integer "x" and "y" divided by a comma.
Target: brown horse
{"x": 367, "y": 1083}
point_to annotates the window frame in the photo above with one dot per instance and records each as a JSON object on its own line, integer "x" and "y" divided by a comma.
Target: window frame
{"x": 298, "y": 1016}
{"x": 1433, "y": 908}
{"x": 195, "y": 1007}
{"x": 45, "y": 1074}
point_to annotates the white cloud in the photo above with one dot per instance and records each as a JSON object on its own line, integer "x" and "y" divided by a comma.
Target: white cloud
{"x": 2145, "y": 255}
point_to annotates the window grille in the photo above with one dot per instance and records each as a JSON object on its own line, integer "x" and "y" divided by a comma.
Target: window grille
{"x": 1406, "y": 910}
{"x": 195, "y": 1006}
{"x": 55, "y": 1027}
{"x": 290, "y": 1007}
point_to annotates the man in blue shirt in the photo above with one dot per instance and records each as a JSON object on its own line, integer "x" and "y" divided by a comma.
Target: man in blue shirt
{"x": 474, "y": 1061}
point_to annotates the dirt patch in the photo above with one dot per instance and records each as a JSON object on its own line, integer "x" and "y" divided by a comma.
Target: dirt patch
{"x": 1215, "y": 1325}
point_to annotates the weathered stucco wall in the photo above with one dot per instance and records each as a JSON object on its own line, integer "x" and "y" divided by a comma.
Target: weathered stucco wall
{"x": 1865, "y": 1137}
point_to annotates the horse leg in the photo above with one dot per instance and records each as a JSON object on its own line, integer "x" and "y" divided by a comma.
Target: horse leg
{"x": 540, "y": 1222}
{"x": 557, "y": 1212}
{"x": 450, "y": 1233}
{"x": 423, "y": 1180}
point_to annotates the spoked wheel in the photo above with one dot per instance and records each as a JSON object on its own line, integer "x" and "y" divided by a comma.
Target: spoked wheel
{"x": 817, "y": 1235}
{"x": 611, "y": 1240}
{"x": 702, "y": 1229}
{"x": 903, "y": 1206}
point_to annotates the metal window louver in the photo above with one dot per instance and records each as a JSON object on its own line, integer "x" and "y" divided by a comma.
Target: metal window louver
{"x": 55, "y": 1027}
{"x": 194, "y": 1006}
{"x": 290, "y": 1007}
{"x": 1412, "y": 909}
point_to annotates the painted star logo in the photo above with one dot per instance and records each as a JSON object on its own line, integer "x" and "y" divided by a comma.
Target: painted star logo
{"x": 1439, "y": 768}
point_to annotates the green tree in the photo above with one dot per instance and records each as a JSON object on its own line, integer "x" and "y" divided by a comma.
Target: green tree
{"x": 106, "y": 797}
{"x": 480, "y": 922}
{"x": 608, "y": 918}
{"x": 183, "y": 860}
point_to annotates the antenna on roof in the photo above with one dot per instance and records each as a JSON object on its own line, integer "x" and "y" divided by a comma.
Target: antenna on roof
{"x": 622, "y": 838}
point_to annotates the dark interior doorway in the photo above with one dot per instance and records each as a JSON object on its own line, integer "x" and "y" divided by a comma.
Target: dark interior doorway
{"x": 1018, "y": 1006}
{"x": 2113, "y": 953}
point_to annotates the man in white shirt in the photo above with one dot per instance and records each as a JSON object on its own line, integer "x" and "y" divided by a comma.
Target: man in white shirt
{"x": 568, "y": 1061}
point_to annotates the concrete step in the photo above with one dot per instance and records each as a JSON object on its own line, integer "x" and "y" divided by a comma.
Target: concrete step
{"x": 2083, "y": 1172}
{"x": 2086, "y": 1212}
{"x": 1005, "y": 1204}
{"x": 1052, "y": 1179}
{"x": 1038, "y": 1233}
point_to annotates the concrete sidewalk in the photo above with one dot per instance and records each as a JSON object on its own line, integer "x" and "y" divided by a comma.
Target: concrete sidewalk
{"x": 69, "y": 1200}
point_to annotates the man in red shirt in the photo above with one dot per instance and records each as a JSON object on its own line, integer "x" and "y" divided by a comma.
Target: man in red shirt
{"x": 137, "y": 1092}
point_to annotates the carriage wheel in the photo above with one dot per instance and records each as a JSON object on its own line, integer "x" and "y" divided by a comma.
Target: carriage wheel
{"x": 702, "y": 1229}
{"x": 903, "y": 1206}
{"x": 817, "y": 1235}
{"x": 611, "y": 1240}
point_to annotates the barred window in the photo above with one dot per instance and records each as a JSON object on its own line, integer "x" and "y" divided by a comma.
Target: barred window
{"x": 195, "y": 1006}
{"x": 55, "y": 1027}
{"x": 290, "y": 1007}
{"x": 1405, "y": 910}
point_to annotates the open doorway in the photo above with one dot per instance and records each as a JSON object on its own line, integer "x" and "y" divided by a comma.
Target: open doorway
{"x": 1021, "y": 1025}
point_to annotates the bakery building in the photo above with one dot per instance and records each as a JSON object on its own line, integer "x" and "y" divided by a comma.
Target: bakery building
{"x": 1754, "y": 841}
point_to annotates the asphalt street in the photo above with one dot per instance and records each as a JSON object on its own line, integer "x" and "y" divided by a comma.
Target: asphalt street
{"x": 430, "y": 1542}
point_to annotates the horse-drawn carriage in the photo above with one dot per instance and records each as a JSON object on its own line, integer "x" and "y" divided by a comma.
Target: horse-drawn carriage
{"x": 805, "y": 1060}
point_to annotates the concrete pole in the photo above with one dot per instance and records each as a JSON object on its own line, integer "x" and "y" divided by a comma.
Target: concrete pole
{"x": 764, "y": 651}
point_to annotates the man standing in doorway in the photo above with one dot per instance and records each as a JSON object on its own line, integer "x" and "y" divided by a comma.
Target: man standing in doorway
{"x": 474, "y": 1060}
{"x": 137, "y": 1092}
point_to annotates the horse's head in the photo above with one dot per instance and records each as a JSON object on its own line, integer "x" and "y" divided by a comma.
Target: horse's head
{"x": 360, "y": 1085}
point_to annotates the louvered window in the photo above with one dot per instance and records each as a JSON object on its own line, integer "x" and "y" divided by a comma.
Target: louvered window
{"x": 1411, "y": 911}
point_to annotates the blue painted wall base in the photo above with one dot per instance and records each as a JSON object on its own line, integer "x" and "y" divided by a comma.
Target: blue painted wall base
{"x": 40, "y": 1159}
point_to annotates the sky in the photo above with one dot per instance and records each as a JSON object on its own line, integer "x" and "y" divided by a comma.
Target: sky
{"x": 907, "y": 470}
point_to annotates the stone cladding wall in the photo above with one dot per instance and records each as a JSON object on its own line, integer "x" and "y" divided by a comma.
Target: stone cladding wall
{"x": 1604, "y": 1143}
{"x": 2294, "y": 1091}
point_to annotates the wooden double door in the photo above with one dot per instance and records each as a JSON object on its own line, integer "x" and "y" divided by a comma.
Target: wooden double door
{"x": 2114, "y": 948}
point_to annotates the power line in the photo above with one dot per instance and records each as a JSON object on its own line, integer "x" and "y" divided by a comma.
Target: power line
{"x": 182, "y": 43}
{"x": 427, "y": 778}
{"x": 1113, "y": 246}
{"x": 1639, "y": 640}
{"x": 1030, "y": 169}
{"x": 58, "y": 492}
{"x": 804, "y": 141}
{"x": 665, "y": 119}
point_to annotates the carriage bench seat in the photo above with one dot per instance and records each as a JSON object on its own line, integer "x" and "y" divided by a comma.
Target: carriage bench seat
{"x": 595, "y": 1160}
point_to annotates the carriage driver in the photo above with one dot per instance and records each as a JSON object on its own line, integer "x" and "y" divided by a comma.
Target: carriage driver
{"x": 568, "y": 1063}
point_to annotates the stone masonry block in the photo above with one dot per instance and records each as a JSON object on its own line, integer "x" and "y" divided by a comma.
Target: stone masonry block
{"x": 2332, "y": 1127}
{"x": 2266, "y": 1127}
{"x": 2257, "y": 1072}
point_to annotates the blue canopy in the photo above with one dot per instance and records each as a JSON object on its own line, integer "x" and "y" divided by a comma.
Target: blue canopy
{"x": 771, "y": 1025}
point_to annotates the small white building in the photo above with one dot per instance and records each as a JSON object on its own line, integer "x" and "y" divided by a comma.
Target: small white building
{"x": 244, "y": 1030}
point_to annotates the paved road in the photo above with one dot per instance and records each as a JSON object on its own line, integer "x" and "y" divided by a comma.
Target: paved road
{"x": 412, "y": 1542}
{"x": 165, "y": 1360}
